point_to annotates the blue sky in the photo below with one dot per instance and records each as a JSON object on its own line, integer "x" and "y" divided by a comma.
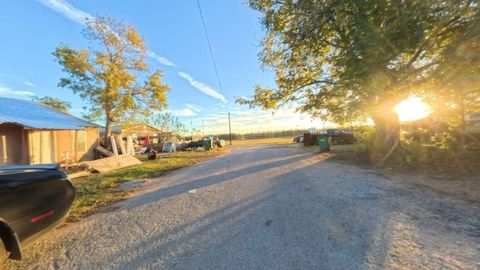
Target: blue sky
{"x": 175, "y": 38}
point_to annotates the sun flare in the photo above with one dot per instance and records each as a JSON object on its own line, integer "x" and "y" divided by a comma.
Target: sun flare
{"x": 412, "y": 108}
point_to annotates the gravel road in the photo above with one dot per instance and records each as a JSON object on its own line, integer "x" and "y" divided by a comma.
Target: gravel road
{"x": 270, "y": 207}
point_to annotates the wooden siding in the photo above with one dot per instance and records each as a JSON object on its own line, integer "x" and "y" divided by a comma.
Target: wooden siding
{"x": 12, "y": 144}
{"x": 33, "y": 146}
{"x": 140, "y": 131}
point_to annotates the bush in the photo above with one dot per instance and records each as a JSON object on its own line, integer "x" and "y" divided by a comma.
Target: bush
{"x": 423, "y": 150}
{"x": 364, "y": 147}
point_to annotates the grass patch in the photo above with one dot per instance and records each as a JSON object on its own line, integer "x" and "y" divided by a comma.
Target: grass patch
{"x": 282, "y": 140}
{"x": 97, "y": 190}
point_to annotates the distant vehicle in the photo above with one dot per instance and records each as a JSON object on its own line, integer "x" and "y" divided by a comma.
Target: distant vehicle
{"x": 298, "y": 139}
{"x": 33, "y": 200}
{"x": 338, "y": 136}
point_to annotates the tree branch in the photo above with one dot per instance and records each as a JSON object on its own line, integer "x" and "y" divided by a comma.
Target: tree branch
{"x": 315, "y": 82}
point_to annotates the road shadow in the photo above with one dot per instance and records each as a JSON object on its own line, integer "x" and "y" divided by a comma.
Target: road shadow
{"x": 298, "y": 212}
{"x": 249, "y": 233}
{"x": 229, "y": 175}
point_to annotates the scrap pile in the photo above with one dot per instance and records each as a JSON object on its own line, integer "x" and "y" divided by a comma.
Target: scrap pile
{"x": 119, "y": 151}
{"x": 152, "y": 145}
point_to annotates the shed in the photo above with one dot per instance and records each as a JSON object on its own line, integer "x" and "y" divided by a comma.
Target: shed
{"x": 32, "y": 133}
{"x": 115, "y": 131}
{"x": 140, "y": 130}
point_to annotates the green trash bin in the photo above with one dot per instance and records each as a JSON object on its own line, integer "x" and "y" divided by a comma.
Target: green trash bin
{"x": 207, "y": 144}
{"x": 323, "y": 142}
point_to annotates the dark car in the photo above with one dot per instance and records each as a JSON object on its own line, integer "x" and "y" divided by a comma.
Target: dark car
{"x": 338, "y": 136}
{"x": 33, "y": 200}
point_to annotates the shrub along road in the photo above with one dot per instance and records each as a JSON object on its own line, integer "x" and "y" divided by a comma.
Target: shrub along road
{"x": 270, "y": 207}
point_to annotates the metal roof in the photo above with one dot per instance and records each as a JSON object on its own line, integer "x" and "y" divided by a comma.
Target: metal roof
{"x": 38, "y": 116}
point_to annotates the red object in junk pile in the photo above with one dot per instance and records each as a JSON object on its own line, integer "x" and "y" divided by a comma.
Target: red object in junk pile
{"x": 147, "y": 140}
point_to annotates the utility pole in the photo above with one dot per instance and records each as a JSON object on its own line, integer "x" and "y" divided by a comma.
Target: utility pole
{"x": 229, "y": 128}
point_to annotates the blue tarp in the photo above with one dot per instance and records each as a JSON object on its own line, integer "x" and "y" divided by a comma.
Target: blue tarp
{"x": 37, "y": 116}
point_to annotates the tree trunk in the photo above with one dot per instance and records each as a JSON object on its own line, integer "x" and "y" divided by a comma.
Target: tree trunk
{"x": 108, "y": 132}
{"x": 387, "y": 135}
{"x": 462, "y": 113}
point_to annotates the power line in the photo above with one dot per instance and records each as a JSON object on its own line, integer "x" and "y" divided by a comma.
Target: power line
{"x": 214, "y": 64}
{"x": 210, "y": 47}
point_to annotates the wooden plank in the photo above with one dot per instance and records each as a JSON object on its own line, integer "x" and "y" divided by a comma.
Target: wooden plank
{"x": 130, "y": 148}
{"x": 120, "y": 142}
{"x": 104, "y": 151}
{"x": 78, "y": 174}
{"x": 112, "y": 163}
{"x": 114, "y": 145}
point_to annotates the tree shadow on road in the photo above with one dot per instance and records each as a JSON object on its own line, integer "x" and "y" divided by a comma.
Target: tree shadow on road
{"x": 313, "y": 232}
{"x": 188, "y": 185}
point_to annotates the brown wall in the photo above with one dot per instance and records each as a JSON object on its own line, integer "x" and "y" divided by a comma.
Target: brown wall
{"x": 92, "y": 142}
{"x": 62, "y": 146}
{"x": 34, "y": 146}
{"x": 12, "y": 144}
{"x": 140, "y": 131}
{"x": 41, "y": 146}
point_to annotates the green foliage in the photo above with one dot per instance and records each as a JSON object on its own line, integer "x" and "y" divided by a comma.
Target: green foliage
{"x": 422, "y": 150}
{"x": 342, "y": 59}
{"x": 456, "y": 88}
{"x": 112, "y": 77}
{"x": 364, "y": 148}
{"x": 439, "y": 157}
{"x": 55, "y": 103}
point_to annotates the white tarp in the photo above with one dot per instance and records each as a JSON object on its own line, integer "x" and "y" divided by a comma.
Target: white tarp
{"x": 169, "y": 147}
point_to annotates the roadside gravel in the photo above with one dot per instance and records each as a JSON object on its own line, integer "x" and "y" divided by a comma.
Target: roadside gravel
{"x": 270, "y": 207}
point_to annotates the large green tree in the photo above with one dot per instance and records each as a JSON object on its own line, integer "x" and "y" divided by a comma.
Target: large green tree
{"x": 342, "y": 60}
{"x": 112, "y": 75}
{"x": 455, "y": 92}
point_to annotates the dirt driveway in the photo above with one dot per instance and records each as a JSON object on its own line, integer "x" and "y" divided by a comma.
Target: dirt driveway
{"x": 270, "y": 207}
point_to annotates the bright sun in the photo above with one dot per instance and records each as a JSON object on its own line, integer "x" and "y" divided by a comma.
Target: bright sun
{"x": 412, "y": 108}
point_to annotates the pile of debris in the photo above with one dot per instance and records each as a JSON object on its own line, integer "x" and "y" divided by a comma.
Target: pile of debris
{"x": 151, "y": 146}
{"x": 119, "y": 151}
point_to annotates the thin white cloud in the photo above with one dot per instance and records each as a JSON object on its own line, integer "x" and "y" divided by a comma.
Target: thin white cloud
{"x": 29, "y": 83}
{"x": 186, "y": 112}
{"x": 189, "y": 110}
{"x": 81, "y": 17}
{"x": 207, "y": 90}
{"x": 8, "y": 92}
{"x": 160, "y": 59}
{"x": 193, "y": 107}
{"x": 67, "y": 10}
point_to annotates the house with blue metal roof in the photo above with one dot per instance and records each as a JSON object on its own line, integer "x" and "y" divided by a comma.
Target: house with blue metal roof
{"x": 32, "y": 133}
